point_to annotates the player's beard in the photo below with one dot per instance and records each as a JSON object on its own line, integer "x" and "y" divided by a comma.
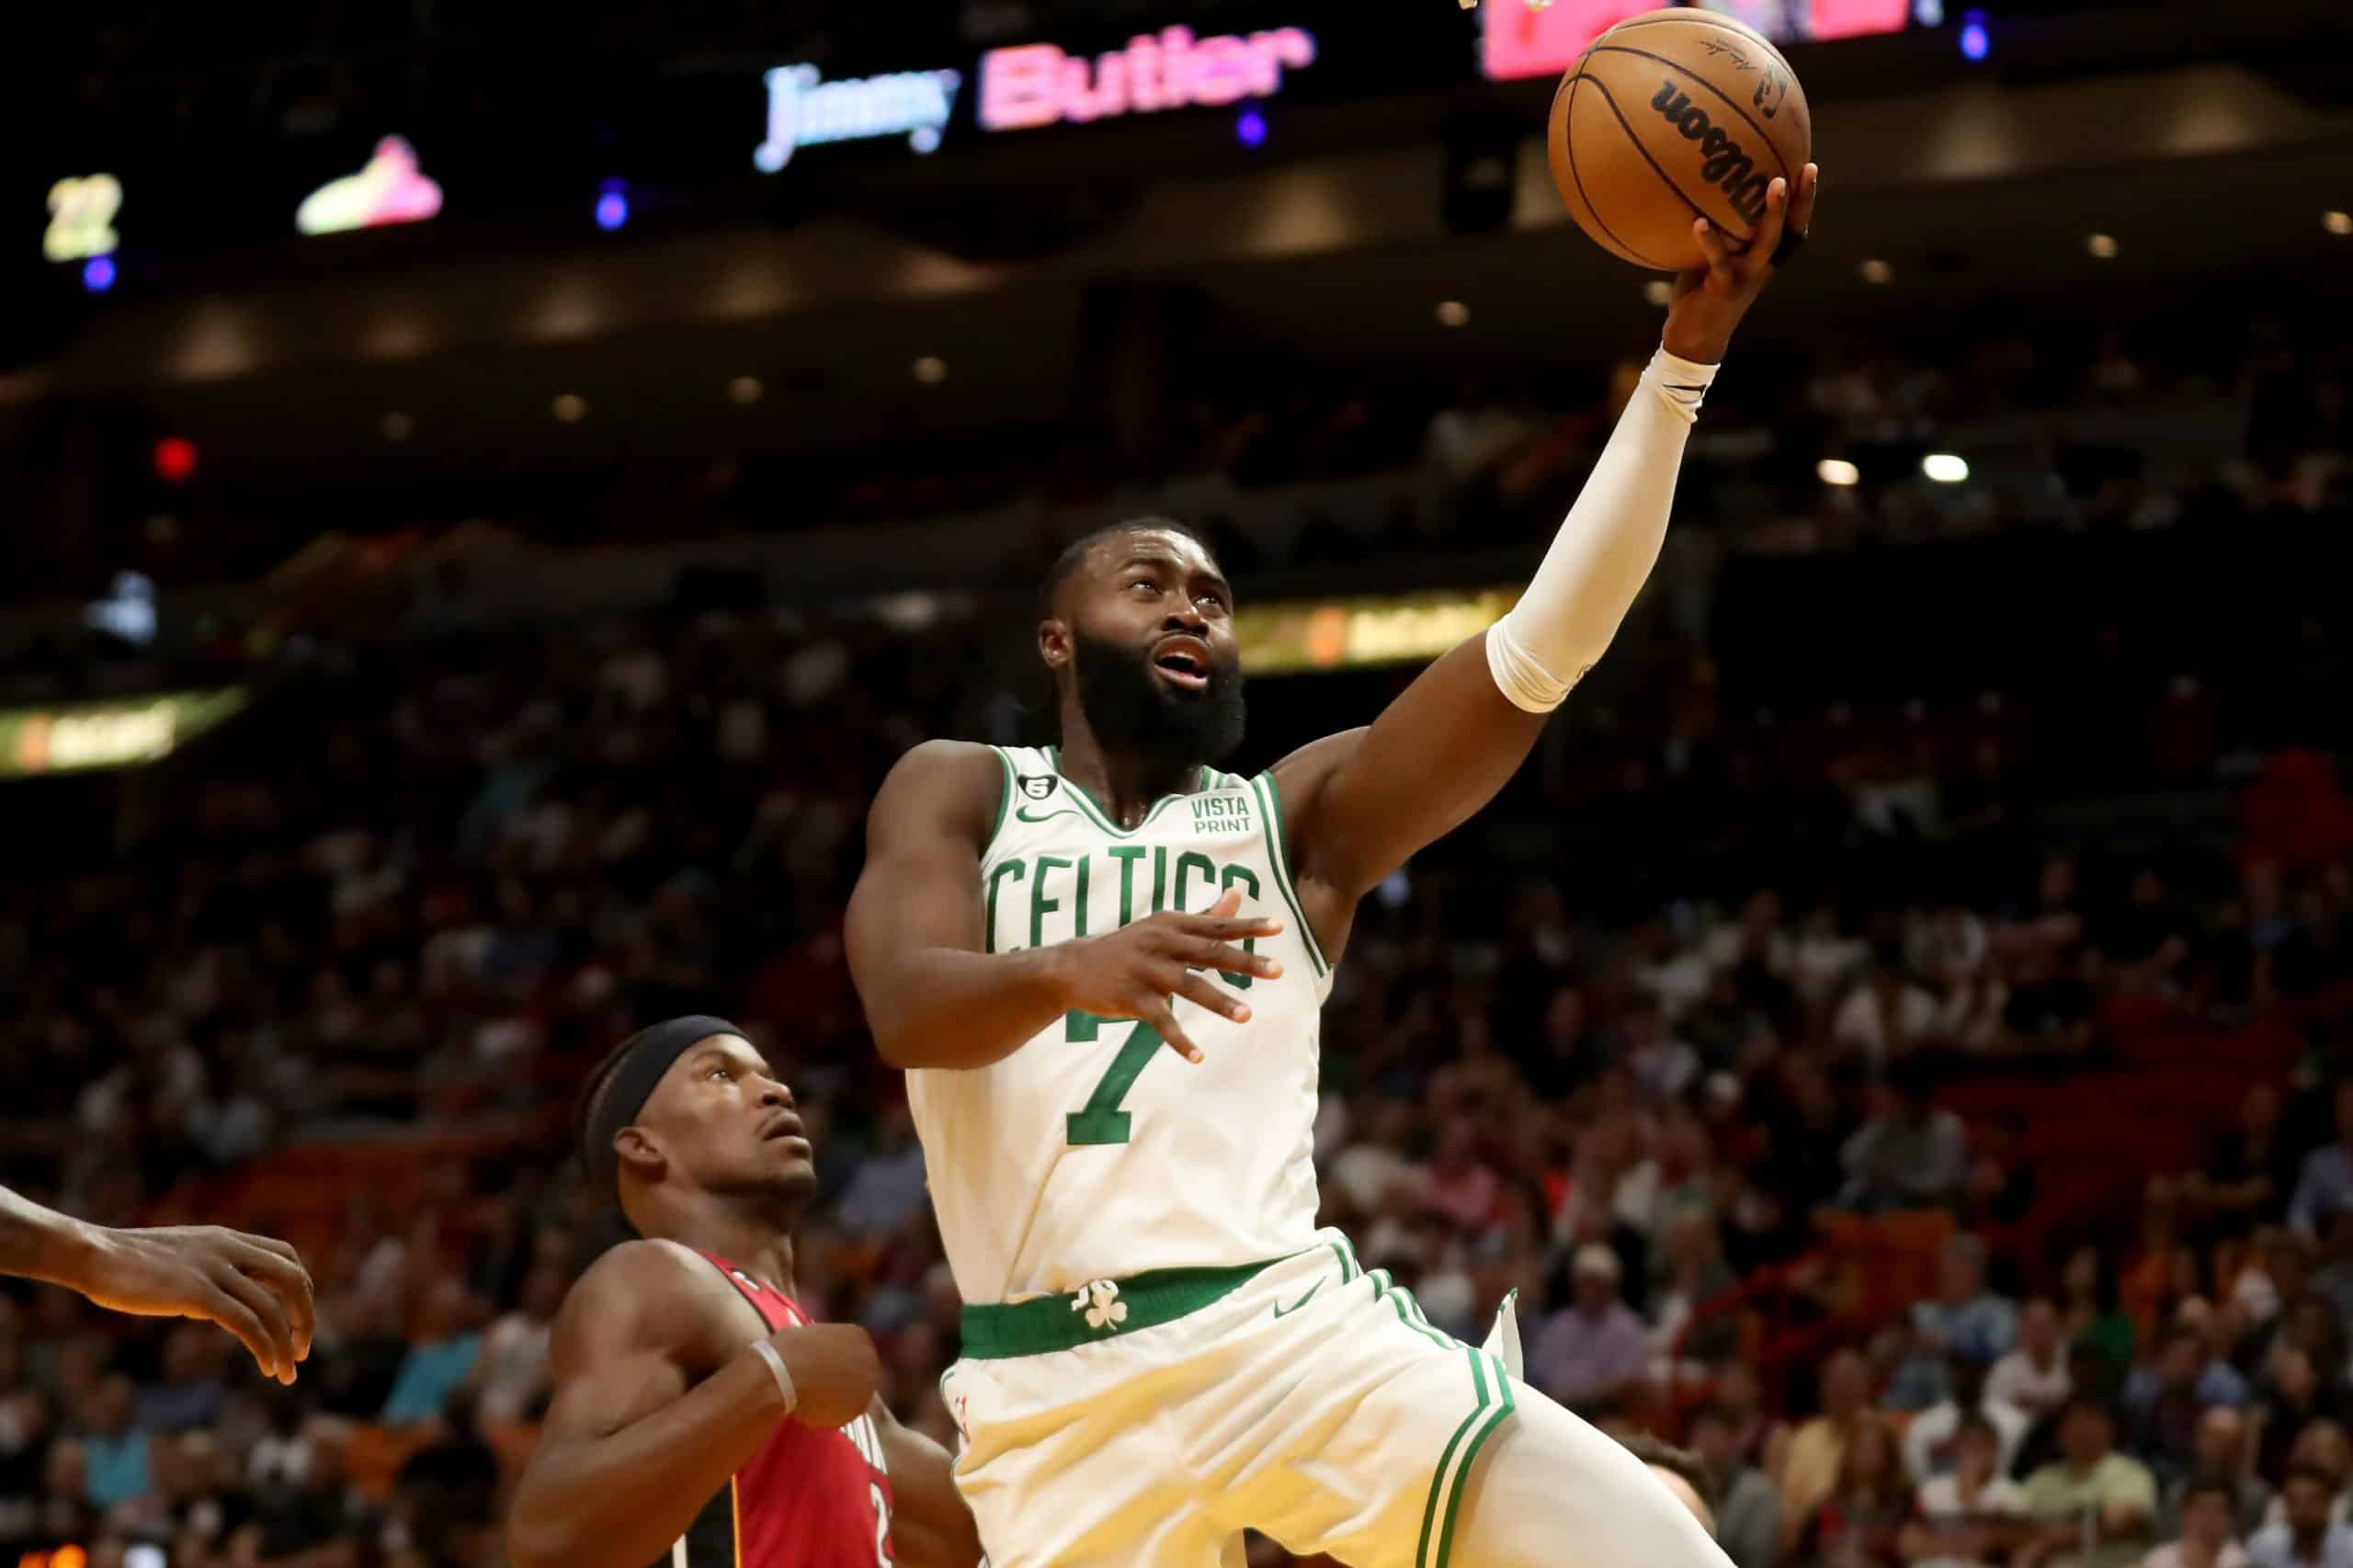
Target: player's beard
{"x": 1134, "y": 714}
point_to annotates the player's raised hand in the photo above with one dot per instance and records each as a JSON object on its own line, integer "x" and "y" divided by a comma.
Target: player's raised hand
{"x": 254, "y": 1287}
{"x": 1138, "y": 970}
{"x": 1710, "y": 301}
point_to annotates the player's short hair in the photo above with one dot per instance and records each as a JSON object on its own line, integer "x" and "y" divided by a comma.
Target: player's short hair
{"x": 1681, "y": 1463}
{"x": 1074, "y": 556}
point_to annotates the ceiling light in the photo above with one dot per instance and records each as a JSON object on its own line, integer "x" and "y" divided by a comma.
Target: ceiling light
{"x": 1452, "y": 313}
{"x": 2338, "y": 222}
{"x": 570, "y": 408}
{"x": 1877, "y": 271}
{"x": 1944, "y": 468}
{"x": 745, "y": 389}
{"x": 2101, "y": 245}
{"x": 1836, "y": 471}
{"x": 931, "y": 370}
{"x": 1659, "y": 291}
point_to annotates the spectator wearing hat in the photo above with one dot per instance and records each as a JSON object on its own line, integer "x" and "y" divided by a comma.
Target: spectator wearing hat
{"x": 1591, "y": 1351}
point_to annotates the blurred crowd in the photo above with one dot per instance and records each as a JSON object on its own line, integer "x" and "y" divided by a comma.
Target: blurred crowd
{"x": 1750, "y": 946}
{"x": 441, "y": 878}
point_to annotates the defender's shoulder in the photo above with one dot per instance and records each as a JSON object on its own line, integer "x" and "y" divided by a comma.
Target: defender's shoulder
{"x": 646, "y": 1275}
{"x": 640, "y": 1295}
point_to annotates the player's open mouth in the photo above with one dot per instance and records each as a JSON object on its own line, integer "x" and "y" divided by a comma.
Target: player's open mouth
{"x": 1183, "y": 661}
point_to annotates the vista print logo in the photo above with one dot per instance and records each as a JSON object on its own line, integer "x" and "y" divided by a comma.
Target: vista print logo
{"x": 804, "y": 109}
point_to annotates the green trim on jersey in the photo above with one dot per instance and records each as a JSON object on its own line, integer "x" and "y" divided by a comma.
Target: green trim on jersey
{"x": 1004, "y": 800}
{"x": 1270, "y": 802}
{"x": 1494, "y": 1402}
{"x": 1046, "y": 1323}
{"x": 1102, "y": 819}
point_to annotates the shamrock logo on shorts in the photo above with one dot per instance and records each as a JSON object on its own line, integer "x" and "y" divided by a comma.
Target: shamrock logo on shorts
{"x": 1101, "y": 1302}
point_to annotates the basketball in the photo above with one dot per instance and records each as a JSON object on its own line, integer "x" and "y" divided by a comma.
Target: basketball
{"x": 1672, "y": 116}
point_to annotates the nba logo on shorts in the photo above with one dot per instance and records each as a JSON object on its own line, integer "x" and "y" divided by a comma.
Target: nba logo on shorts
{"x": 1038, "y": 788}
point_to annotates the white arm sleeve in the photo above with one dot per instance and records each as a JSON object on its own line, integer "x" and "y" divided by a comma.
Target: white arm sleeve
{"x": 1605, "y": 550}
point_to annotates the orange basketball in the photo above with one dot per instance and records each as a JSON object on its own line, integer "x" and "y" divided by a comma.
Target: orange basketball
{"x": 1672, "y": 116}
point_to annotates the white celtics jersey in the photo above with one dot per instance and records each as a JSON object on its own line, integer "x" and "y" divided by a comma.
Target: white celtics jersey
{"x": 1095, "y": 1152}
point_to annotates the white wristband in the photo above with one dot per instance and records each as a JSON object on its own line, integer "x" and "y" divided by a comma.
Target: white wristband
{"x": 768, "y": 1353}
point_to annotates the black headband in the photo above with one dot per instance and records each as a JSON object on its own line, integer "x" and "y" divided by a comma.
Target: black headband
{"x": 639, "y": 1066}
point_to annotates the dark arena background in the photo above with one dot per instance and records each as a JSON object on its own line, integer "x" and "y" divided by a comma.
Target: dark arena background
{"x": 488, "y": 490}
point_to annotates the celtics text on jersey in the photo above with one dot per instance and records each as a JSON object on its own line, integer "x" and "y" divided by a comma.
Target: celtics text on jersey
{"x": 1095, "y": 1152}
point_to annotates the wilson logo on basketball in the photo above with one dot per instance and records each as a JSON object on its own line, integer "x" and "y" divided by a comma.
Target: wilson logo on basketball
{"x": 1724, "y": 164}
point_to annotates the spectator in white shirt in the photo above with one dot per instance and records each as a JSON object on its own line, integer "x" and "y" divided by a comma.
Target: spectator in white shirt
{"x": 1956, "y": 1512}
{"x": 1887, "y": 1015}
{"x": 2311, "y": 1538}
{"x": 1933, "y": 1441}
{"x": 2206, "y": 1529}
{"x": 2033, "y": 1377}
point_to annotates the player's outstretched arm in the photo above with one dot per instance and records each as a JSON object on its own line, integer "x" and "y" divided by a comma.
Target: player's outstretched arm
{"x": 637, "y": 1439}
{"x": 930, "y": 1525}
{"x": 936, "y": 997}
{"x": 1360, "y": 804}
{"x": 254, "y": 1287}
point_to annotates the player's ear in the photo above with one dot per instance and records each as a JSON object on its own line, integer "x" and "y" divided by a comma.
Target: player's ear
{"x": 638, "y": 1152}
{"x": 1053, "y": 643}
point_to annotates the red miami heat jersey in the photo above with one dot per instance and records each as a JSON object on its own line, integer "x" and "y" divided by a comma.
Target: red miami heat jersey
{"x": 810, "y": 1498}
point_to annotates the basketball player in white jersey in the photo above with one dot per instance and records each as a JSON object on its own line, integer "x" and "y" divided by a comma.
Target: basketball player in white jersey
{"x": 1101, "y": 965}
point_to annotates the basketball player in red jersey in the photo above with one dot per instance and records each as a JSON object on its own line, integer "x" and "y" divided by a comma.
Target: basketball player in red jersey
{"x": 701, "y": 1419}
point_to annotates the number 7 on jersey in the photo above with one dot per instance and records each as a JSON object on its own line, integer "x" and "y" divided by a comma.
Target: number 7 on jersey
{"x": 1101, "y": 1120}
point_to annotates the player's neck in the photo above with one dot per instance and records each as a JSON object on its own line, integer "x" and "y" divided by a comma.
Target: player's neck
{"x": 758, "y": 1243}
{"x": 1126, "y": 787}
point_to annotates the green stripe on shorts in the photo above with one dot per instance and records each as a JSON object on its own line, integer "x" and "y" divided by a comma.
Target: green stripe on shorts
{"x": 1438, "y": 1486}
{"x": 1488, "y": 1423}
{"x": 1409, "y": 1311}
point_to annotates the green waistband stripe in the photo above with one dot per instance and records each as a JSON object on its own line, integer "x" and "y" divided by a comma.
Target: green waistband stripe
{"x": 1103, "y": 1309}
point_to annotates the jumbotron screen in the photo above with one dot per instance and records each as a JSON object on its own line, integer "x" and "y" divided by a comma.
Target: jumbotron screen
{"x": 1518, "y": 40}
